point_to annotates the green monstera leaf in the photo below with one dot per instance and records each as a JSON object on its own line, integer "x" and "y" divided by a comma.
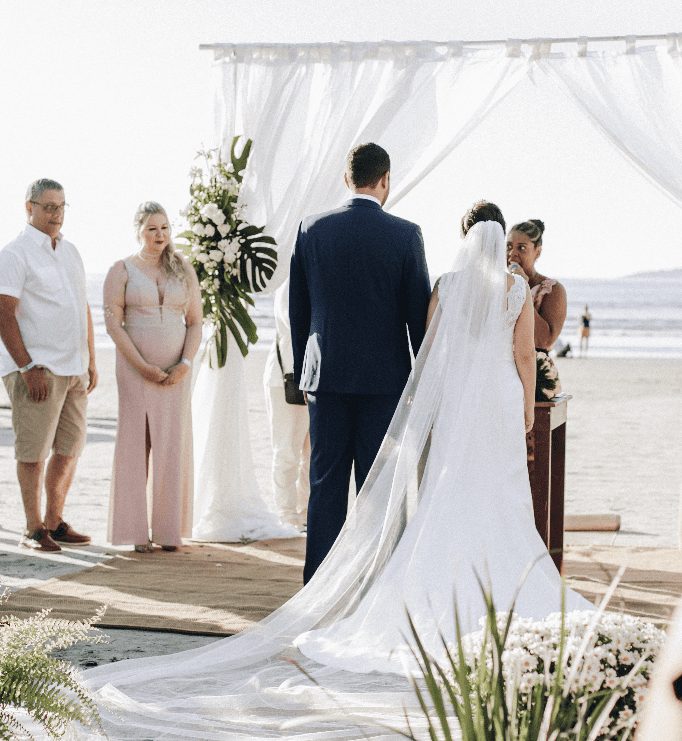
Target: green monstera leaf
{"x": 232, "y": 258}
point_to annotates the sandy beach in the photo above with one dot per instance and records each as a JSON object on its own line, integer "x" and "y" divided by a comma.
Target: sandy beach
{"x": 623, "y": 447}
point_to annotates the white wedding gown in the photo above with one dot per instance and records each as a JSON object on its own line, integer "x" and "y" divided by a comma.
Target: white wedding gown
{"x": 408, "y": 544}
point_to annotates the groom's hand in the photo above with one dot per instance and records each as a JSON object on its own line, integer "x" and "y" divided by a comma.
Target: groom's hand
{"x": 305, "y": 397}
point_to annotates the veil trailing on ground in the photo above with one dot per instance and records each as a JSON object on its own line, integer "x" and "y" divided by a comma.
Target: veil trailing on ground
{"x": 449, "y": 415}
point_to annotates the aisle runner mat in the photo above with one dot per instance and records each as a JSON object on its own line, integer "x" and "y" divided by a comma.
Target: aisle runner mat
{"x": 650, "y": 587}
{"x": 209, "y": 589}
{"x": 222, "y": 589}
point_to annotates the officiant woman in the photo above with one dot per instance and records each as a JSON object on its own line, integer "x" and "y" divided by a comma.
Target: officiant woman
{"x": 524, "y": 247}
{"x": 152, "y": 309}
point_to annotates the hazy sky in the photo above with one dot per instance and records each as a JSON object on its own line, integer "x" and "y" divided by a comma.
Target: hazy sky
{"x": 114, "y": 98}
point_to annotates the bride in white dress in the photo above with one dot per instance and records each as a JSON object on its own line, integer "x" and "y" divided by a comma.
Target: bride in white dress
{"x": 446, "y": 500}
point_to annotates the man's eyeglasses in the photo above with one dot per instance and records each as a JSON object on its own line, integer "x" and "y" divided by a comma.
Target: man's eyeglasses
{"x": 52, "y": 208}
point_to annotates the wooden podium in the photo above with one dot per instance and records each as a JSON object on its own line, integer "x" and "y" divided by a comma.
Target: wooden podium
{"x": 546, "y": 445}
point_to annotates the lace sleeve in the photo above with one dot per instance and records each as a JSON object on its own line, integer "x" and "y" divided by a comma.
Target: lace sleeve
{"x": 515, "y": 299}
{"x": 443, "y": 282}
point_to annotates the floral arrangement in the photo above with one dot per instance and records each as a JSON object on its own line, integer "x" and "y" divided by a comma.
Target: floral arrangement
{"x": 34, "y": 682}
{"x": 232, "y": 258}
{"x": 616, "y": 657}
{"x": 577, "y": 676}
{"x": 547, "y": 377}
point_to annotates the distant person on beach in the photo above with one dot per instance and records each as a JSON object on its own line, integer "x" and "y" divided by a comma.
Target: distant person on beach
{"x": 47, "y": 362}
{"x": 524, "y": 247}
{"x": 152, "y": 310}
{"x": 584, "y": 326}
{"x": 289, "y": 423}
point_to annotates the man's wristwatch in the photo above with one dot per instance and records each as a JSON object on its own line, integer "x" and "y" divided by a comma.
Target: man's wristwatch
{"x": 27, "y": 367}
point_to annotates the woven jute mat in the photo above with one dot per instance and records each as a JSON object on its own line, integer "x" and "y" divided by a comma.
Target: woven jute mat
{"x": 222, "y": 589}
{"x": 216, "y": 589}
{"x": 651, "y": 586}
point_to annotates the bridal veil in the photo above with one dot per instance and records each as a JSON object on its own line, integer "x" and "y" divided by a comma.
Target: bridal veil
{"x": 251, "y": 685}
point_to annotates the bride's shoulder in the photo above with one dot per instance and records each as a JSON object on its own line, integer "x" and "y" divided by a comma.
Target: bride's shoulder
{"x": 441, "y": 285}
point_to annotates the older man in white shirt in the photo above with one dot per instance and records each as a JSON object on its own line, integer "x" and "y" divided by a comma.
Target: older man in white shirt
{"x": 288, "y": 423}
{"x": 47, "y": 361}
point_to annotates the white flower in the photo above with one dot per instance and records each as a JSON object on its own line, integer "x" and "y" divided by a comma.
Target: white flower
{"x": 216, "y": 283}
{"x": 209, "y": 230}
{"x": 212, "y": 212}
{"x": 208, "y": 210}
{"x": 210, "y": 265}
{"x": 202, "y": 257}
{"x": 216, "y": 255}
{"x": 198, "y": 229}
{"x": 223, "y": 229}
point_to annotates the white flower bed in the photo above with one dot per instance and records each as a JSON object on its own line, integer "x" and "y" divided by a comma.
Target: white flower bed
{"x": 616, "y": 654}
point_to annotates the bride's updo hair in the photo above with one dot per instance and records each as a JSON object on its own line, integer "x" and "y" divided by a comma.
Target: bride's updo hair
{"x": 533, "y": 229}
{"x": 171, "y": 262}
{"x": 482, "y": 211}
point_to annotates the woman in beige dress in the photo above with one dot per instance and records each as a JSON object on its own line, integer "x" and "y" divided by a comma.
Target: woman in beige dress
{"x": 152, "y": 308}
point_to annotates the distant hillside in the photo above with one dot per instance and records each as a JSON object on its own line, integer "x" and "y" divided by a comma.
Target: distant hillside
{"x": 675, "y": 274}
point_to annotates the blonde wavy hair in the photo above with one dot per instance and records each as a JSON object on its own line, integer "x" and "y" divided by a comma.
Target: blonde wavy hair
{"x": 171, "y": 261}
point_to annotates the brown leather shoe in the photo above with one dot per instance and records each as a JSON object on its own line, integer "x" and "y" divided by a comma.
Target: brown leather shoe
{"x": 40, "y": 540}
{"x": 64, "y": 533}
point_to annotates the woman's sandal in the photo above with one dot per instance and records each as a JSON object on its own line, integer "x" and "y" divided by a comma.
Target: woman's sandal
{"x": 145, "y": 548}
{"x": 169, "y": 548}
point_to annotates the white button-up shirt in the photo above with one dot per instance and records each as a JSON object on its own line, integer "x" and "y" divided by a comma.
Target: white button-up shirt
{"x": 52, "y": 309}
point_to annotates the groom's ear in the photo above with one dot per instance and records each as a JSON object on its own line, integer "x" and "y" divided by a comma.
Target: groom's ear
{"x": 346, "y": 180}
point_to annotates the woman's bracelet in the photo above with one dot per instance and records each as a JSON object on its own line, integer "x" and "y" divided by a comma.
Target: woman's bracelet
{"x": 187, "y": 362}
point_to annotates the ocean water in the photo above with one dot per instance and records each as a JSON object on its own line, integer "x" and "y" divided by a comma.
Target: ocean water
{"x": 639, "y": 316}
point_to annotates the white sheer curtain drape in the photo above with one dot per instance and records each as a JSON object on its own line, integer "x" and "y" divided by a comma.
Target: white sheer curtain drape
{"x": 633, "y": 95}
{"x": 304, "y": 107}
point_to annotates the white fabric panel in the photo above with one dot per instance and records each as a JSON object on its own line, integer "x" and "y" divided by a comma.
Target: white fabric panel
{"x": 633, "y": 95}
{"x": 305, "y": 107}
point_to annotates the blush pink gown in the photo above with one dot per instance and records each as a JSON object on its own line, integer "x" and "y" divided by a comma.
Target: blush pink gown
{"x": 161, "y": 502}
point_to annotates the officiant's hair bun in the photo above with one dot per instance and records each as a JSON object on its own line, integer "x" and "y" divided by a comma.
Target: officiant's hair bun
{"x": 533, "y": 229}
{"x": 366, "y": 164}
{"x": 482, "y": 211}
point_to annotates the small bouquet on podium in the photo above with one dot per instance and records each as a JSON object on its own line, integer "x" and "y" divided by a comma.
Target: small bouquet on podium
{"x": 547, "y": 384}
{"x": 232, "y": 258}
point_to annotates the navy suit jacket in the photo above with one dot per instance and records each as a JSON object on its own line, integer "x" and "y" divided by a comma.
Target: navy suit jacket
{"x": 358, "y": 284}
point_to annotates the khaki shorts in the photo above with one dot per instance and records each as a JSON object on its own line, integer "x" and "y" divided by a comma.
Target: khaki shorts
{"x": 58, "y": 423}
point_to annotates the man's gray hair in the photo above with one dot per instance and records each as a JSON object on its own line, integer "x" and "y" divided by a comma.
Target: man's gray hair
{"x": 38, "y": 187}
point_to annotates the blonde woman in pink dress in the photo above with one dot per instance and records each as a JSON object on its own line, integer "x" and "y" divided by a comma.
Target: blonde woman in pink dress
{"x": 152, "y": 308}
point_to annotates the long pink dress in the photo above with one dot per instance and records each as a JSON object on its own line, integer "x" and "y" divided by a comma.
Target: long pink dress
{"x": 165, "y": 497}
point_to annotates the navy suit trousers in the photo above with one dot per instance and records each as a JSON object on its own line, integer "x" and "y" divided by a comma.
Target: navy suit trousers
{"x": 345, "y": 429}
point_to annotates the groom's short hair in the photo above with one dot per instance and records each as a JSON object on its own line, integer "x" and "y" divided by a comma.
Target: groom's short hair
{"x": 366, "y": 164}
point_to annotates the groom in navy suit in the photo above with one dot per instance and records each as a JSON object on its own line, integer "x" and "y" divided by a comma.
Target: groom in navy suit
{"x": 358, "y": 285}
